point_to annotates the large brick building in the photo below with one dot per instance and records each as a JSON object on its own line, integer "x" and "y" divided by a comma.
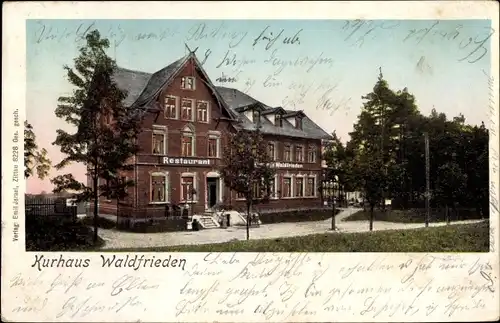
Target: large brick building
{"x": 186, "y": 125}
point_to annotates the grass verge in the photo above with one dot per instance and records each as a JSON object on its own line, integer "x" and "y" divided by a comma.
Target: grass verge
{"x": 452, "y": 238}
{"x": 413, "y": 215}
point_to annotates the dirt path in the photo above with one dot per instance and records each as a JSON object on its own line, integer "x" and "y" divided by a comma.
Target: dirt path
{"x": 119, "y": 239}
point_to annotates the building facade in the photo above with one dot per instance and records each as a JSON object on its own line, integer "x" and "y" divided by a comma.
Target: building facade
{"x": 187, "y": 122}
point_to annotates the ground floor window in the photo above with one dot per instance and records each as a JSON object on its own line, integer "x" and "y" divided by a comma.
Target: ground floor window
{"x": 287, "y": 187}
{"x": 299, "y": 187}
{"x": 311, "y": 187}
{"x": 187, "y": 188}
{"x": 159, "y": 185}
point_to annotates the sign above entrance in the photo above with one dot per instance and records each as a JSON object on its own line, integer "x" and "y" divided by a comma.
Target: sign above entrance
{"x": 186, "y": 161}
{"x": 286, "y": 165}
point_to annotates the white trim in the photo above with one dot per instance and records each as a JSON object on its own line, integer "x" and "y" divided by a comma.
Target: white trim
{"x": 189, "y": 131}
{"x": 275, "y": 150}
{"x": 303, "y": 152}
{"x": 219, "y": 183}
{"x": 177, "y": 100}
{"x": 303, "y": 176}
{"x": 192, "y": 109}
{"x": 315, "y": 150}
{"x": 195, "y": 186}
{"x": 275, "y": 197}
{"x": 315, "y": 186}
{"x": 214, "y": 135}
{"x": 208, "y": 111}
{"x": 162, "y": 130}
{"x": 166, "y": 175}
{"x": 286, "y": 176}
{"x": 184, "y": 80}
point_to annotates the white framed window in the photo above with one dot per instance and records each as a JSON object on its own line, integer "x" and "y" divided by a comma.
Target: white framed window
{"x": 299, "y": 186}
{"x": 187, "y": 107}
{"x": 213, "y": 145}
{"x": 189, "y": 188}
{"x": 202, "y": 111}
{"x": 188, "y": 142}
{"x": 311, "y": 187}
{"x": 299, "y": 154}
{"x": 188, "y": 83}
{"x": 298, "y": 123}
{"x": 271, "y": 150}
{"x": 286, "y": 187}
{"x": 159, "y": 140}
{"x": 287, "y": 152}
{"x": 278, "y": 120}
{"x": 159, "y": 187}
{"x": 171, "y": 107}
{"x": 311, "y": 154}
{"x": 273, "y": 187}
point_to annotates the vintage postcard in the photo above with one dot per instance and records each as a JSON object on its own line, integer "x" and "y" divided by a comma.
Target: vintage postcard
{"x": 250, "y": 162}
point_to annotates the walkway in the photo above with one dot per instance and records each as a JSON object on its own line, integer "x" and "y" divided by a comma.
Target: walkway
{"x": 119, "y": 239}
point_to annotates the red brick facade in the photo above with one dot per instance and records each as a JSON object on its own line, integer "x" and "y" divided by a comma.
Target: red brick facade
{"x": 167, "y": 138}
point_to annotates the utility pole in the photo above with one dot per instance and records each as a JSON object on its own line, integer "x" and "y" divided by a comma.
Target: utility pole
{"x": 427, "y": 181}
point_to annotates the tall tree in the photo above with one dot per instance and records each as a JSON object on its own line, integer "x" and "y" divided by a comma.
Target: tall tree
{"x": 35, "y": 159}
{"x": 247, "y": 169}
{"x": 106, "y": 131}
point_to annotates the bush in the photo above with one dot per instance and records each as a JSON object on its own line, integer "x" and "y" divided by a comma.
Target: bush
{"x": 51, "y": 234}
{"x": 450, "y": 238}
{"x": 414, "y": 215}
{"x": 102, "y": 222}
{"x": 297, "y": 216}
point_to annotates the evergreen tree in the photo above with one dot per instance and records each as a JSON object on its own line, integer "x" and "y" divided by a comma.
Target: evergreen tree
{"x": 34, "y": 159}
{"x": 106, "y": 131}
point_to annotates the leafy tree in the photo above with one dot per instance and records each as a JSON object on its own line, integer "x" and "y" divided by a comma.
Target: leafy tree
{"x": 452, "y": 183}
{"x": 246, "y": 169}
{"x": 34, "y": 159}
{"x": 373, "y": 180}
{"x": 106, "y": 132}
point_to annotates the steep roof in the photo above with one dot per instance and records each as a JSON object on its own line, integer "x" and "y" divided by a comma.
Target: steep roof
{"x": 237, "y": 99}
{"x": 142, "y": 87}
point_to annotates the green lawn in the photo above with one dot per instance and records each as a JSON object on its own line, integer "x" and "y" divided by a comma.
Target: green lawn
{"x": 453, "y": 238}
{"x": 413, "y": 215}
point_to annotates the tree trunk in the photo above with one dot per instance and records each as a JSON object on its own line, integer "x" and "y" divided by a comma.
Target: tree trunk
{"x": 371, "y": 216}
{"x": 446, "y": 214}
{"x": 96, "y": 209}
{"x": 249, "y": 206}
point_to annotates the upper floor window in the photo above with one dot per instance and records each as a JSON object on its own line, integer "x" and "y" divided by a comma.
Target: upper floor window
{"x": 287, "y": 153}
{"x": 187, "y": 83}
{"x": 310, "y": 188}
{"x": 311, "y": 154}
{"x": 159, "y": 140}
{"x": 278, "y": 120}
{"x": 213, "y": 145}
{"x": 300, "y": 153}
{"x": 187, "y": 145}
{"x": 271, "y": 150}
{"x": 171, "y": 110}
{"x": 187, "y": 109}
{"x": 202, "y": 111}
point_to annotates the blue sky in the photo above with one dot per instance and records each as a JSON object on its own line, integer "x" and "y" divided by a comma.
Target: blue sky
{"x": 320, "y": 66}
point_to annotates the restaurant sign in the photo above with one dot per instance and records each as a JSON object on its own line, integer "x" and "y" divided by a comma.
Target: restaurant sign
{"x": 186, "y": 161}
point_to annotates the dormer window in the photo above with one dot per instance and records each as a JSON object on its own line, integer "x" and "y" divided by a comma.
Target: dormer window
{"x": 298, "y": 123}
{"x": 256, "y": 116}
{"x": 187, "y": 83}
{"x": 278, "y": 121}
